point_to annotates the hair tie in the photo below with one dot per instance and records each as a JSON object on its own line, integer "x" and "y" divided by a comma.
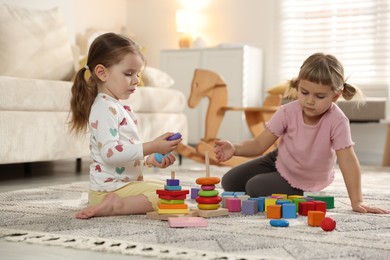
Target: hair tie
{"x": 345, "y": 84}
{"x": 86, "y": 67}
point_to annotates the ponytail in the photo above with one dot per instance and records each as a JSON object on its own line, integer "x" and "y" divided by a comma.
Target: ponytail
{"x": 84, "y": 92}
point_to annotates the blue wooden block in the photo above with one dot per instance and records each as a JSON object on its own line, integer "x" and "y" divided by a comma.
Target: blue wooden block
{"x": 173, "y": 182}
{"x": 289, "y": 210}
{"x": 239, "y": 193}
{"x": 281, "y": 202}
{"x": 166, "y": 187}
{"x": 260, "y": 203}
{"x": 227, "y": 194}
{"x": 249, "y": 207}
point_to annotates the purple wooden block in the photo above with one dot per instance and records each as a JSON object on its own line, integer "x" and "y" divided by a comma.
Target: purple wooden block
{"x": 173, "y": 182}
{"x": 194, "y": 193}
{"x": 233, "y": 204}
{"x": 249, "y": 207}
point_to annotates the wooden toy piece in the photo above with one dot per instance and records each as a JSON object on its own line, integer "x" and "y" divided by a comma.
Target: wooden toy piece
{"x": 227, "y": 194}
{"x": 208, "y": 187}
{"x": 208, "y": 180}
{"x": 279, "y": 223}
{"x": 297, "y": 201}
{"x": 173, "y": 211}
{"x": 208, "y": 206}
{"x": 269, "y": 201}
{"x": 249, "y": 207}
{"x": 194, "y": 193}
{"x": 284, "y": 196}
{"x": 328, "y": 199}
{"x": 172, "y": 206}
{"x": 328, "y": 224}
{"x": 314, "y": 218}
{"x": 187, "y": 222}
{"x": 320, "y": 205}
{"x": 175, "y": 136}
{"x": 305, "y": 207}
{"x": 292, "y": 197}
{"x": 169, "y": 197}
{"x": 154, "y": 215}
{"x": 167, "y": 187}
{"x": 208, "y": 200}
{"x": 208, "y": 193}
{"x": 233, "y": 204}
{"x": 274, "y": 211}
{"x": 283, "y": 201}
{"x": 172, "y": 192}
{"x": 239, "y": 193}
{"x": 289, "y": 210}
{"x": 260, "y": 203}
{"x": 163, "y": 201}
{"x": 212, "y": 213}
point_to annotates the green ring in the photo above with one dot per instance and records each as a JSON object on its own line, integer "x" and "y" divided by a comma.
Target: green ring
{"x": 208, "y": 193}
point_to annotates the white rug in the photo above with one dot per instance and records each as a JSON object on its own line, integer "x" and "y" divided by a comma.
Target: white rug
{"x": 46, "y": 216}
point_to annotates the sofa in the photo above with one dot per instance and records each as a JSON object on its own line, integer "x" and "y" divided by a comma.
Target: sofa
{"x": 37, "y": 65}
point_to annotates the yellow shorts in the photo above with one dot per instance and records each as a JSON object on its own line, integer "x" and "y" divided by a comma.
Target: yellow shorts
{"x": 147, "y": 188}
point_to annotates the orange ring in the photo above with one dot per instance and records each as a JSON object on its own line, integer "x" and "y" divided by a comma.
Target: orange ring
{"x": 208, "y": 180}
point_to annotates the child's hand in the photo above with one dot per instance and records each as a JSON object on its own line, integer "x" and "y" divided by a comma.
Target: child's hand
{"x": 166, "y": 161}
{"x": 161, "y": 144}
{"x": 224, "y": 150}
{"x": 359, "y": 207}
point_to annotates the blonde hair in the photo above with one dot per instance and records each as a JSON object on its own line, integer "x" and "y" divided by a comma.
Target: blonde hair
{"x": 107, "y": 49}
{"x": 326, "y": 70}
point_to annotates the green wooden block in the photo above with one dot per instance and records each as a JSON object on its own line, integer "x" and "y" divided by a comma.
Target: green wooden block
{"x": 163, "y": 201}
{"x": 328, "y": 199}
{"x": 296, "y": 201}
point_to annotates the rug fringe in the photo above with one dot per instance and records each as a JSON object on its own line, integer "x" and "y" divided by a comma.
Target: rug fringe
{"x": 118, "y": 246}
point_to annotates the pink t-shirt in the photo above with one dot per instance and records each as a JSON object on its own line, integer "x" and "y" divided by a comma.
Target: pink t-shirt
{"x": 307, "y": 154}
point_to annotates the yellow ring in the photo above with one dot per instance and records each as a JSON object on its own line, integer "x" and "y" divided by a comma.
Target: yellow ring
{"x": 208, "y": 206}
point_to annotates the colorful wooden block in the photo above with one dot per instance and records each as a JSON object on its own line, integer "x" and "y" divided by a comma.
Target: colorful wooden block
{"x": 233, "y": 204}
{"x": 320, "y": 205}
{"x": 187, "y": 222}
{"x": 249, "y": 207}
{"x": 305, "y": 207}
{"x": 172, "y": 211}
{"x": 156, "y": 216}
{"x": 283, "y": 196}
{"x": 169, "y": 197}
{"x": 274, "y": 211}
{"x": 239, "y": 193}
{"x": 166, "y": 187}
{"x": 227, "y": 194}
{"x": 194, "y": 193}
{"x": 269, "y": 201}
{"x": 328, "y": 199}
{"x": 171, "y": 201}
{"x": 171, "y": 206}
{"x": 297, "y": 201}
{"x": 283, "y": 201}
{"x": 173, "y": 182}
{"x": 289, "y": 210}
{"x": 314, "y": 218}
{"x": 260, "y": 203}
{"x": 172, "y": 192}
{"x": 208, "y": 206}
{"x": 291, "y": 197}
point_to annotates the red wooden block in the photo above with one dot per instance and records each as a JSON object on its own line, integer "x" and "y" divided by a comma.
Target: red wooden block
{"x": 304, "y": 207}
{"x": 172, "y": 192}
{"x": 170, "y": 197}
{"x": 320, "y": 205}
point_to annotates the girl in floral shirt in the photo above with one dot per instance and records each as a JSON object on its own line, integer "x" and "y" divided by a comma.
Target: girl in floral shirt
{"x": 117, "y": 186}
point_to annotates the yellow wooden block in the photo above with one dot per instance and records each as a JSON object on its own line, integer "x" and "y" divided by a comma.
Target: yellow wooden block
{"x": 173, "y": 211}
{"x": 291, "y": 197}
{"x": 268, "y": 202}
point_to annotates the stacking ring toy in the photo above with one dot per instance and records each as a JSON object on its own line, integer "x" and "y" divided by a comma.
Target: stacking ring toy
{"x": 208, "y": 206}
{"x": 208, "y": 180}
{"x": 208, "y": 193}
{"x": 208, "y": 187}
{"x": 208, "y": 200}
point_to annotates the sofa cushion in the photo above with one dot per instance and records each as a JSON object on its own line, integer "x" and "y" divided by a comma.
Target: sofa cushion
{"x": 22, "y": 94}
{"x": 153, "y": 77}
{"x": 34, "y": 44}
{"x": 373, "y": 110}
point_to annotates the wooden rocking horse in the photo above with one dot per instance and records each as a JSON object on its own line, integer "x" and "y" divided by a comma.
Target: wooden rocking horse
{"x": 208, "y": 84}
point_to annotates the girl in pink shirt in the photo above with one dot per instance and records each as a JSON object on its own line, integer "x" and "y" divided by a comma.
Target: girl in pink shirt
{"x": 314, "y": 133}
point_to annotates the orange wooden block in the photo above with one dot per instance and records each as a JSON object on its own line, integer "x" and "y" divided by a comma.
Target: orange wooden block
{"x": 314, "y": 218}
{"x": 172, "y": 206}
{"x": 274, "y": 211}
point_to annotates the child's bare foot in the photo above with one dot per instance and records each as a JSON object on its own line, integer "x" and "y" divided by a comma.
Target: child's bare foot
{"x": 106, "y": 208}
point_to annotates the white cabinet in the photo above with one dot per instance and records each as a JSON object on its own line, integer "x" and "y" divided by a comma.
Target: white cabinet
{"x": 241, "y": 69}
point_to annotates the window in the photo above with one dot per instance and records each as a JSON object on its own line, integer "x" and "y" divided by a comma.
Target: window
{"x": 357, "y": 32}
